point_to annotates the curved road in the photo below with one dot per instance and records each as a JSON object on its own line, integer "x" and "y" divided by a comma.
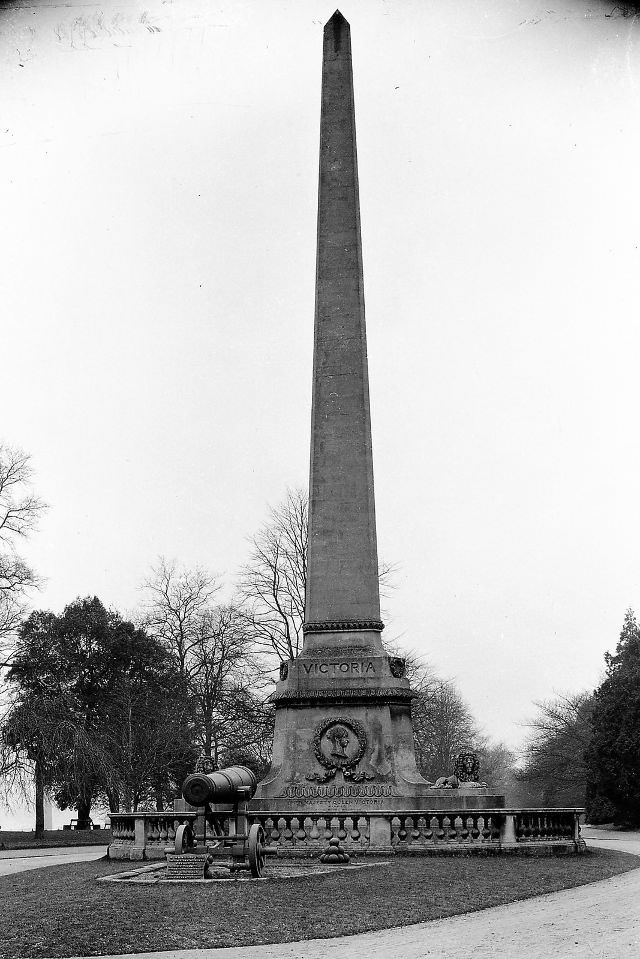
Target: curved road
{"x": 19, "y": 860}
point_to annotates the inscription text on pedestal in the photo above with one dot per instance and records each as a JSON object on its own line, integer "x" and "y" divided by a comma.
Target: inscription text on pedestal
{"x": 364, "y": 791}
{"x": 340, "y": 668}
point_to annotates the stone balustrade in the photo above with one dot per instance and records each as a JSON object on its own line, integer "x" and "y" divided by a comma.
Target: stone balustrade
{"x": 145, "y": 835}
{"x": 414, "y": 831}
{"x": 494, "y": 829}
{"x": 446, "y": 828}
{"x": 544, "y": 825}
{"x": 306, "y": 832}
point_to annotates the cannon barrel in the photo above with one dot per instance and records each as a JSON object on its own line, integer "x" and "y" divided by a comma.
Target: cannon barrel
{"x": 221, "y": 786}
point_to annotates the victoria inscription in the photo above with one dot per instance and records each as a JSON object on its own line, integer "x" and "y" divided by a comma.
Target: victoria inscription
{"x": 340, "y": 668}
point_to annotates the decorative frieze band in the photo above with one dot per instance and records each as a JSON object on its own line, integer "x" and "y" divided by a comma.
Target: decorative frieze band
{"x": 344, "y": 626}
{"x": 348, "y": 692}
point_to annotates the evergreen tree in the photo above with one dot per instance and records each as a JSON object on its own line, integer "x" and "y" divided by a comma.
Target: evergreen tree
{"x": 613, "y": 758}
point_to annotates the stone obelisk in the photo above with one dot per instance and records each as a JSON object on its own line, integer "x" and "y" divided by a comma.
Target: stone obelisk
{"x": 342, "y": 572}
{"x": 343, "y": 738}
{"x": 343, "y": 727}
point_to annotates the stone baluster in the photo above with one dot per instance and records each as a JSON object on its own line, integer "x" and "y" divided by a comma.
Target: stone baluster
{"x": 411, "y": 833}
{"x": 299, "y": 836}
{"x": 164, "y": 830}
{"x": 510, "y": 829}
{"x": 395, "y": 830}
{"x": 576, "y": 827}
{"x": 349, "y": 826}
{"x": 364, "y": 829}
{"x": 271, "y": 831}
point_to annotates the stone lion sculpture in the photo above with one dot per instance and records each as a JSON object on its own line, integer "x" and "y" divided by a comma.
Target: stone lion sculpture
{"x": 467, "y": 770}
{"x": 466, "y": 773}
{"x": 446, "y": 782}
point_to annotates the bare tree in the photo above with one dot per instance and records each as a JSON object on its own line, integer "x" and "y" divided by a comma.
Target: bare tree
{"x": 177, "y": 600}
{"x": 20, "y": 511}
{"x": 443, "y": 724}
{"x": 442, "y": 727}
{"x": 224, "y": 682}
{"x": 273, "y": 583}
{"x": 554, "y": 762}
{"x": 215, "y": 653}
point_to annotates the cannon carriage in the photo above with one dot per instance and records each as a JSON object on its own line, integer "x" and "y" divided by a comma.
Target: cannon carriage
{"x": 224, "y": 794}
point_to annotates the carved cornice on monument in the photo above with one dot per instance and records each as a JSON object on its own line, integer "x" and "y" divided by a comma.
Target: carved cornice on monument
{"x": 344, "y": 626}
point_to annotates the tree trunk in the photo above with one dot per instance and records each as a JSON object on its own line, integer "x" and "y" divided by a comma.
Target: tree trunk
{"x": 114, "y": 800}
{"x": 84, "y": 810}
{"x": 39, "y": 798}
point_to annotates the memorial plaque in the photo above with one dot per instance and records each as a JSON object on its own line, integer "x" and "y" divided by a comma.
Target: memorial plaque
{"x": 186, "y": 866}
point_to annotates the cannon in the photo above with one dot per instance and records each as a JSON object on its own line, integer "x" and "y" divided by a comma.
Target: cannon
{"x": 225, "y": 794}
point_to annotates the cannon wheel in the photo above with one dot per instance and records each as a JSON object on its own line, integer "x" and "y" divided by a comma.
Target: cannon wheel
{"x": 256, "y": 850}
{"x": 184, "y": 838}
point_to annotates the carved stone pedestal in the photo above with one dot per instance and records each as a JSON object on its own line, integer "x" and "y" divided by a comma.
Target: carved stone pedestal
{"x": 343, "y": 738}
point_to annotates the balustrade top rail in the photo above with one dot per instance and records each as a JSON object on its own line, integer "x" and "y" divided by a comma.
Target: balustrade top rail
{"x": 317, "y": 813}
{"x": 145, "y": 814}
{"x": 422, "y": 811}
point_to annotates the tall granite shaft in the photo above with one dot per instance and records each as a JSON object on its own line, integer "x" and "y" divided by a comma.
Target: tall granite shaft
{"x": 343, "y": 739}
{"x": 342, "y": 574}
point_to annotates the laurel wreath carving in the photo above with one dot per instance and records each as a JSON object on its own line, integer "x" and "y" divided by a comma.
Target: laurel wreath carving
{"x": 330, "y": 765}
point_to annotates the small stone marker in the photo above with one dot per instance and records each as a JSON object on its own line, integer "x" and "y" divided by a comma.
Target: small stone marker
{"x": 186, "y": 866}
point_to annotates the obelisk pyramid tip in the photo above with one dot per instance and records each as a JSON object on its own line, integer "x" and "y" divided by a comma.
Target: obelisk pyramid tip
{"x": 336, "y": 21}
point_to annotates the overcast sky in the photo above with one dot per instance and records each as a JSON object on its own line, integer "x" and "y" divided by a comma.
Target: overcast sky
{"x": 158, "y": 188}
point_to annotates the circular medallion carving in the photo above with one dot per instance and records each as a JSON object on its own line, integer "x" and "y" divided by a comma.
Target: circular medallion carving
{"x": 339, "y": 743}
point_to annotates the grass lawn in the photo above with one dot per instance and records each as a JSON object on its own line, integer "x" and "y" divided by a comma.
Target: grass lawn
{"x": 54, "y": 837}
{"x": 63, "y": 911}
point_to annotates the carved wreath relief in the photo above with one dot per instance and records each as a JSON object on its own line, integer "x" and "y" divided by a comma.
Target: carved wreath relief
{"x": 339, "y": 744}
